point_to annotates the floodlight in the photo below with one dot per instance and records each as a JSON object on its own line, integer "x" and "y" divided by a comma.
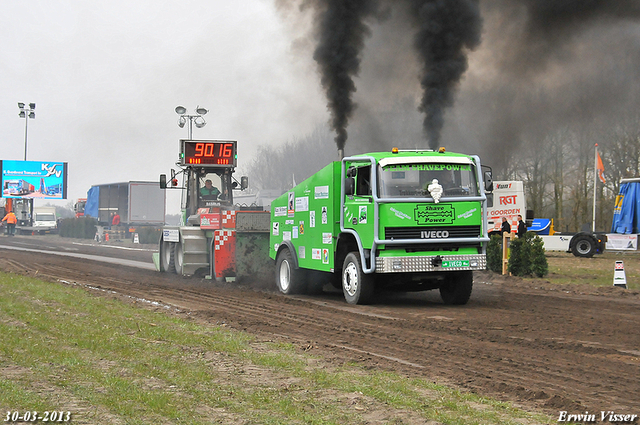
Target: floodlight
{"x": 199, "y": 122}
{"x": 201, "y": 111}
{"x": 181, "y": 110}
{"x": 22, "y": 114}
{"x": 32, "y": 106}
{"x": 32, "y": 114}
{"x": 182, "y": 121}
{"x": 20, "y": 105}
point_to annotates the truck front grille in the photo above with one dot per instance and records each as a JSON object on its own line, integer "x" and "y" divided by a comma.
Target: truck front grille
{"x": 417, "y": 232}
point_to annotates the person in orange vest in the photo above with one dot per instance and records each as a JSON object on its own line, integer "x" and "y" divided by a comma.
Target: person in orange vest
{"x": 115, "y": 219}
{"x": 11, "y": 220}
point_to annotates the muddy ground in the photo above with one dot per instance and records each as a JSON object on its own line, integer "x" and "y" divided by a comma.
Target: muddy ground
{"x": 543, "y": 347}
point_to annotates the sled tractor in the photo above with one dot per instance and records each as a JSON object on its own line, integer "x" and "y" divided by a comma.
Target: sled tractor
{"x": 215, "y": 238}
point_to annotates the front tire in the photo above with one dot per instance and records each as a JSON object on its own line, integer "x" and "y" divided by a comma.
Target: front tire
{"x": 357, "y": 287}
{"x": 167, "y": 263}
{"x": 456, "y": 289}
{"x": 289, "y": 279}
{"x": 178, "y": 256}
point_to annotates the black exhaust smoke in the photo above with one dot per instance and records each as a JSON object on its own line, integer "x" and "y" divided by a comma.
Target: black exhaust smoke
{"x": 341, "y": 31}
{"x": 446, "y": 30}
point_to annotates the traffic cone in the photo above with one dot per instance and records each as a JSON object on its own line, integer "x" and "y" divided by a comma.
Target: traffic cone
{"x": 106, "y": 236}
{"x": 619, "y": 278}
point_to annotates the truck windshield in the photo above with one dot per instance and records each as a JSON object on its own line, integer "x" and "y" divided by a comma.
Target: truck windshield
{"x": 45, "y": 217}
{"x": 412, "y": 180}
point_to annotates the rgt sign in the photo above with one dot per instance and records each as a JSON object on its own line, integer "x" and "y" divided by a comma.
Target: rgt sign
{"x": 508, "y": 200}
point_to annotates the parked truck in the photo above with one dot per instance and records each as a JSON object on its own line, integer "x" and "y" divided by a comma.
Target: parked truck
{"x": 44, "y": 220}
{"x": 136, "y": 202}
{"x": 78, "y": 207}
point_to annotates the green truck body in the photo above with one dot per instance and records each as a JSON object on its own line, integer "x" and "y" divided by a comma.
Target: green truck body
{"x": 382, "y": 208}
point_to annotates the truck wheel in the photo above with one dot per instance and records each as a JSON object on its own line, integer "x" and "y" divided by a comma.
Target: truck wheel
{"x": 167, "y": 262}
{"x": 584, "y": 246}
{"x": 357, "y": 286}
{"x": 289, "y": 279}
{"x": 456, "y": 289}
{"x": 178, "y": 256}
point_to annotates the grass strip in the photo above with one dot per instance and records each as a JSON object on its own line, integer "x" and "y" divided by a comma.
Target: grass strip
{"x": 97, "y": 354}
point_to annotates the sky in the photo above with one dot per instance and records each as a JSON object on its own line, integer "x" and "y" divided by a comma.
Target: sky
{"x": 106, "y": 78}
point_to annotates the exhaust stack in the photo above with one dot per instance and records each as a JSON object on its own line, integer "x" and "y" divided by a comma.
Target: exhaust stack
{"x": 340, "y": 154}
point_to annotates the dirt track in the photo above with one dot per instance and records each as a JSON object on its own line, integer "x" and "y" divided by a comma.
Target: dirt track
{"x": 516, "y": 340}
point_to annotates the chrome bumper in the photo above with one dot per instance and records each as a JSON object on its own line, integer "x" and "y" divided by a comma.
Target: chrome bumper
{"x": 426, "y": 264}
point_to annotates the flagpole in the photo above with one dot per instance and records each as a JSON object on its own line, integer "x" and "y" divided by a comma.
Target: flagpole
{"x": 595, "y": 183}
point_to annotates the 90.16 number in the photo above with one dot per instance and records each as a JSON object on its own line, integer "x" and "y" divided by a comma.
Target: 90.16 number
{"x": 29, "y": 416}
{"x": 208, "y": 149}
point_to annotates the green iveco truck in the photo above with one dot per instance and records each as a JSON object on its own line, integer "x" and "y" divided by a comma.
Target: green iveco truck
{"x": 406, "y": 220}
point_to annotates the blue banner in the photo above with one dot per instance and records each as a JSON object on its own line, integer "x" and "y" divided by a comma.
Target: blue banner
{"x": 626, "y": 212}
{"x": 93, "y": 202}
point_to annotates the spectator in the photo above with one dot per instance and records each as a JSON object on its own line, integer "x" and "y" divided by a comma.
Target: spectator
{"x": 522, "y": 228}
{"x": 506, "y": 227}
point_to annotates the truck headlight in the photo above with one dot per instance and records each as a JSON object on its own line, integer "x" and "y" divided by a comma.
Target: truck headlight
{"x": 397, "y": 264}
{"x": 473, "y": 263}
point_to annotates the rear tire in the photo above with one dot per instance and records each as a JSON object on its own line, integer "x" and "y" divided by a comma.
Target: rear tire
{"x": 357, "y": 287}
{"x": 456, "y": 289}
{"x": 584, "y": 246}
{"x": 289, "y": 279}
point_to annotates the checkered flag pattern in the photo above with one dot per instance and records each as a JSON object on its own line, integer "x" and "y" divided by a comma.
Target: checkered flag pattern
{"x": 229, "y": 219}
{"x": 220, "y": 237}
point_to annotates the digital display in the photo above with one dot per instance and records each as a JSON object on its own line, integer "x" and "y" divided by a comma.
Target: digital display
{"x": 209, "y": 152}
{"x": 34, "y": 179}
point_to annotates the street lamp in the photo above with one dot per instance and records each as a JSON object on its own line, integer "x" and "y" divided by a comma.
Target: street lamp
{"x": 26, "y": 113}
{"x": 197, "y": 119}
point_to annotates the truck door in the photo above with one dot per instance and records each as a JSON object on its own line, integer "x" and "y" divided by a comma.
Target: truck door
{"x": 358, "y": 206}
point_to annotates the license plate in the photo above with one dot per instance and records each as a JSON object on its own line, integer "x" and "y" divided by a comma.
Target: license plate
{"x": 456, "y": 263}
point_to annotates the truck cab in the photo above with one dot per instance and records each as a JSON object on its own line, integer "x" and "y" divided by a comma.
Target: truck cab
{"x": 44, "y": 220}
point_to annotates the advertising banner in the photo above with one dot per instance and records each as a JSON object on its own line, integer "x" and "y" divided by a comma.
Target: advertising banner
{"x": 34, "y": 179}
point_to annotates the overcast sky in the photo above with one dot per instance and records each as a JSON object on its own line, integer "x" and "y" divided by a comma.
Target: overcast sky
{"x": 107, "y": 76}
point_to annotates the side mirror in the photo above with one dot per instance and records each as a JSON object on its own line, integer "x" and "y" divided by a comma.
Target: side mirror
{"x": 489, "y": 200}
{"x": 244, "y": 182}
{"x": 488, "y": 181}
{"x": 349, "y": 186}
{"x": 163, "y": 181}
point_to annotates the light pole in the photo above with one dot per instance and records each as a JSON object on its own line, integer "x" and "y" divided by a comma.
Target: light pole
{"x": 197, "y": 119}
{"x": 26, "y": 113}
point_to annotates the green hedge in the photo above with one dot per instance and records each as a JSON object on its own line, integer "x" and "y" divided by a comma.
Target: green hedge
{"x": 494, "y": 254}
{"x": 82, "y": 228}
{"x": 526, "y": 257}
